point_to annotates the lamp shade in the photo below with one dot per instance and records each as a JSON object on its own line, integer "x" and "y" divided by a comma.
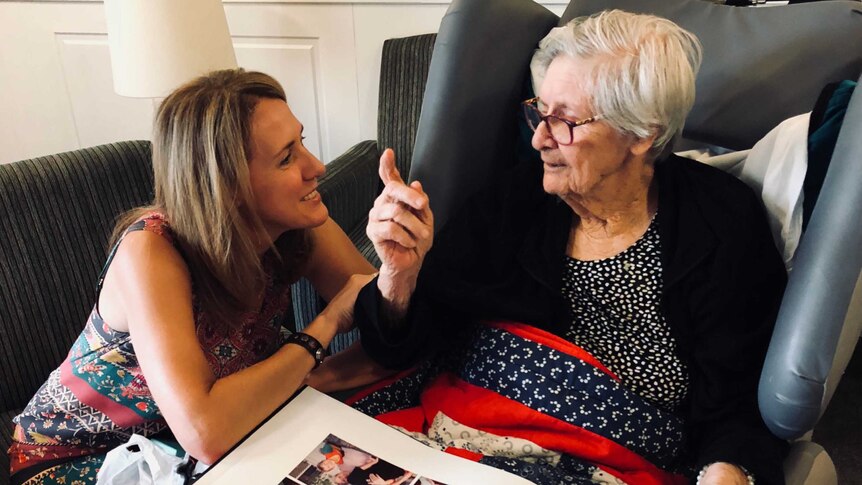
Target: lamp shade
{"x": 157, "y": 45}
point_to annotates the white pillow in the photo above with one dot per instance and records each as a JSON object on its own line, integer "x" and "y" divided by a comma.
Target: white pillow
{"x": 775, "y": 168}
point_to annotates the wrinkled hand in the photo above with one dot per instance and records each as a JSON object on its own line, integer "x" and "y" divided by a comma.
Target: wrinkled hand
{"x": 340, "y": 309}
{"x": 723, "y": 474}
{"x": 401, "y": 227}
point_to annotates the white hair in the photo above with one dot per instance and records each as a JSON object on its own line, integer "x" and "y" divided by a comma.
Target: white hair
{"x": 644, "y": 82}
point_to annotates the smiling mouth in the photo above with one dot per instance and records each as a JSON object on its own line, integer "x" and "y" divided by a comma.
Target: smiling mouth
{"x": 313, "y": 195}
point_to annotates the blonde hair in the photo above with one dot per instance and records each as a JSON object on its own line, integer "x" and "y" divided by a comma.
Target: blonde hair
{"x": 201, "y": 148}
{"x": 645, "y": 82}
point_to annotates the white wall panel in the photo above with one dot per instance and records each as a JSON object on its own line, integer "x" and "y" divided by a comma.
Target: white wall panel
{"x": 100, "y": 116}
{"x": 36, "y": 115}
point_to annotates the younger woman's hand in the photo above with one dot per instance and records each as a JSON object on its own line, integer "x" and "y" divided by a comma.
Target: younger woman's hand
{"x": 340, "y": 309}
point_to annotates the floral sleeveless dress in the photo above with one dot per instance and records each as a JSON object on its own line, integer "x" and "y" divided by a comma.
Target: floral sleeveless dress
{"x": 98, "y": 397}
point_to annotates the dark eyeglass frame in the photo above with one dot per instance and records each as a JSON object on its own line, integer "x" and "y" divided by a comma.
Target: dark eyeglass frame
{"x": 531, "y": 106}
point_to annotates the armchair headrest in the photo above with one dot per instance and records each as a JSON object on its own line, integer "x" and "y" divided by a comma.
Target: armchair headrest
{"x": 760, "y": 65}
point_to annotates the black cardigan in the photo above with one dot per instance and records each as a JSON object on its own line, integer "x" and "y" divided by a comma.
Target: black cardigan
{"x": 502, "y": 257}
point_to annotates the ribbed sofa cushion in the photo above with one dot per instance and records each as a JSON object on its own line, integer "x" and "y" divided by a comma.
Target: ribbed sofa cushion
{"x": 350, "y": 186}
{"x": 403, "y": 75}
{"x": 57, "y": 214}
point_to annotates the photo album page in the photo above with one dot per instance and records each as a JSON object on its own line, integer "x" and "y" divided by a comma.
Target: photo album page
{"x": 317, "y": 440}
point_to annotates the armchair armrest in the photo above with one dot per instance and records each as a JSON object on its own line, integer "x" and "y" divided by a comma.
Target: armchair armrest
{"x": 820, "y": 319}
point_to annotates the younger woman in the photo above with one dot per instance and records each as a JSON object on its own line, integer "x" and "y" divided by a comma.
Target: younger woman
{"x": 185, "y": 333}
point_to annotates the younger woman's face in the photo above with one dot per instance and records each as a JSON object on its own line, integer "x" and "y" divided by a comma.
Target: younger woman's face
{"x": 282, "y": 172}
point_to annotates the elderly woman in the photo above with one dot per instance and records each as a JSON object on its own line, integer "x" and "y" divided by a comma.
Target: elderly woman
{"x": 616, "y": 300}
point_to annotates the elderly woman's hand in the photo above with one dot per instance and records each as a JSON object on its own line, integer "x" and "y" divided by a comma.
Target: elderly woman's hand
{"x": 401, "y": 227}
{"x": 723, "y": 474}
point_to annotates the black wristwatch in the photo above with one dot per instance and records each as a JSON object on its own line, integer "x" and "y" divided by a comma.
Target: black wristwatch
{"x": 309, "y": 343}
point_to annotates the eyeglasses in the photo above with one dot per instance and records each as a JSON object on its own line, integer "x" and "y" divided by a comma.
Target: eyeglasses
{"x": 560, "y": 129}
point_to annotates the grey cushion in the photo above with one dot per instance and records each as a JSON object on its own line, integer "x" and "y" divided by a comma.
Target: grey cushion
{"x": 470, "y": 110}
{"x": 760, "y": 65}
{"x": 350, "y": 184}
{"x": 403, "y": 74}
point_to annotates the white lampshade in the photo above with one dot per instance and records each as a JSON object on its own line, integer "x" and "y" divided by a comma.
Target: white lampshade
{"x": 157, "y": 45}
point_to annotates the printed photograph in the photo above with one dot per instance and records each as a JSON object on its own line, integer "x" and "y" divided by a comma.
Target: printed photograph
{"x": 337, "y": 462}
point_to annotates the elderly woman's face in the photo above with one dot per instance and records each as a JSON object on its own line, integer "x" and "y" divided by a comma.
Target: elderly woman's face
{"x": 597, "y": 152}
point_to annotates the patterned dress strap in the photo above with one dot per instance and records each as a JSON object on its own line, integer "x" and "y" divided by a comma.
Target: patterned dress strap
{"x": 137, "y": 226}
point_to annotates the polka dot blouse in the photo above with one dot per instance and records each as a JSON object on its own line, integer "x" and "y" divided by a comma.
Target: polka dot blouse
{"x": 615, "y": 310}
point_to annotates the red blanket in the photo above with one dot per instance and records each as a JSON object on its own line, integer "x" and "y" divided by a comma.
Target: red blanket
{"x": 534, "y": 404}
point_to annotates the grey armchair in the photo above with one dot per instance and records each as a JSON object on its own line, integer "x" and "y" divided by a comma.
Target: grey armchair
{"x": 761, "y": 65}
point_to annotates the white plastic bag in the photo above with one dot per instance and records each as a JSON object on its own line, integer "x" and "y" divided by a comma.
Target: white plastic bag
{"x": 139, "y": 461}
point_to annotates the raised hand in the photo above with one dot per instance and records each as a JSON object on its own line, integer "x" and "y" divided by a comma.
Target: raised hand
{"x": 401, "y": 227}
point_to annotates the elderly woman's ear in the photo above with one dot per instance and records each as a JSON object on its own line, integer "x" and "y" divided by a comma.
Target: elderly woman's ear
{"x": 642, "y": 146}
